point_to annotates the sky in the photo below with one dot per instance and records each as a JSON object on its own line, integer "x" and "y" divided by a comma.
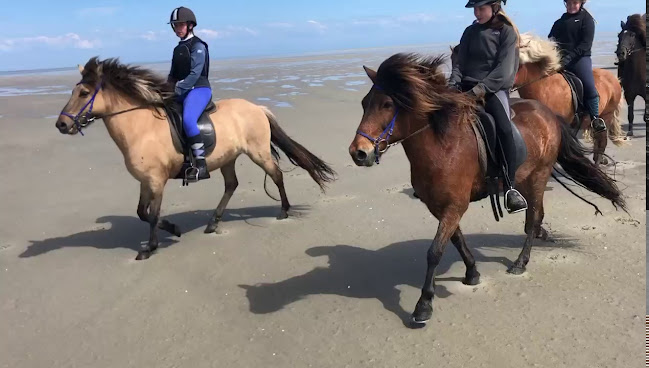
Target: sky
{"x": 38, "y": 34}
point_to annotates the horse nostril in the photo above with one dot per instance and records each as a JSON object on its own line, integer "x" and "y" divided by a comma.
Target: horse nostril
{"x": 61, "y": 125}
{"x": 360, "y": 155}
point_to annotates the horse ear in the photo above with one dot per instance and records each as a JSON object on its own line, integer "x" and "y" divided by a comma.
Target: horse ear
{"x": 100, "y": 67}
{"x": 370, "y": 73}
{"x": 622, "y": 24}
{"x": 80, "y": 68}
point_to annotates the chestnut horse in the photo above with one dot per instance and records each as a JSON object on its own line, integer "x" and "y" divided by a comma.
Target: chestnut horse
{"x": 632, "y": 41}
{"x": 411, "y": 104}
{"x": 131, "y": 102}
{"x": 538, "y": 79}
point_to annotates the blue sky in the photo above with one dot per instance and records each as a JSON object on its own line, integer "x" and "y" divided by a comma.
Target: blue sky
{"x": 47, "y": 34}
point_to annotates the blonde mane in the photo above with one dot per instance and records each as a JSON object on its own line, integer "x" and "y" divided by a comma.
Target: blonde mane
{"x": 535, "y": 50}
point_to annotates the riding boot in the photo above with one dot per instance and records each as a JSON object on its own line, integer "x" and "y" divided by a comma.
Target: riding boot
{"x": 514, "y": 200}
{"x": 597, "y": 124}
{"x": 200, "y": 171}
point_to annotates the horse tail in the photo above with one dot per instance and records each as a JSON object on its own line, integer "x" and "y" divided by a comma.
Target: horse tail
{"x": 574, "y": 161}
{"x": 615, "y": 133}
{"x": 319, "y": 171}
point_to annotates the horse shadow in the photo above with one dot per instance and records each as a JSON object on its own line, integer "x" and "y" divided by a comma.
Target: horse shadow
{"x": 355, "y": 272}
{"x": 129, "y": 232}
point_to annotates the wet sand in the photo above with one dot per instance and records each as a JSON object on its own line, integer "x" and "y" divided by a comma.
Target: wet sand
{"x": 329, "y": 287}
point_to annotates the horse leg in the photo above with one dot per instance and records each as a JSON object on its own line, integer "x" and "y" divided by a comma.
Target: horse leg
{"x": 533, "y": 192}
{"x": 629, "y": 102}
{"x": 265, "y": 161}
{"x": 472, "y": 276}
{"x": 231, "y": 184}
{"x": 600, "y": 141}
{"x": 424, "y": 308}
{"x": 143, "y": 212}
{"x": 154, "y": 191}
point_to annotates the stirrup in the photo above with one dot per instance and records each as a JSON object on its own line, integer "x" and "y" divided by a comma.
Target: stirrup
{"x": 191, "y": 174}
{"x": 517, "y": 210}
{"x": 592, "y": 125}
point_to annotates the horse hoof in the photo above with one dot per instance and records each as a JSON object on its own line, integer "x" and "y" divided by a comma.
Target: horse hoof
{"x": 629, "y": 134}
{"x": 516, "y": 270}
{"x": 141, "y": 256}
{"x": 211, "y": 228}
{"x": 543, "y": 235}
{"x": 472, "y": 281}
{"x": 423, "y": 313}
{"x": 283, "y": 215}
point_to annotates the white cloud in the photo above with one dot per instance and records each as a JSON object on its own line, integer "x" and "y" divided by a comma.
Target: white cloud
{"x": 67, "y": 40}
{"x": 209, "y": 33}
{"x": 318, "y": 25}
{"x": 103, "y": 11}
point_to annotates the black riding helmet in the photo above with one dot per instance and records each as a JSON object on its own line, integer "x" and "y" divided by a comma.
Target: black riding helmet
{"x": 182, "y": 15}
{"x": 476, "y": 3}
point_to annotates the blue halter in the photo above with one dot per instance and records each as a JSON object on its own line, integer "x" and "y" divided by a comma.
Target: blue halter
{"x": 384, "y": 137}
{"x": 88, "y": 115}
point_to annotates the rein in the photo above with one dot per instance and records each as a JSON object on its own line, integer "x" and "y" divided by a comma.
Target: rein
{"x": 533, "y": 81}
{"x": 88, "y": 117}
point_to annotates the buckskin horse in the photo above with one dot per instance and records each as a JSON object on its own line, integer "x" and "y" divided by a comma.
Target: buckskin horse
{"x": 410, "y": 103}
{"x": 135, "y": 108}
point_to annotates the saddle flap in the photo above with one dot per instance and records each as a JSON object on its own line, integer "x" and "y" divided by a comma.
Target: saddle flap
{"x": 576, "y": 87}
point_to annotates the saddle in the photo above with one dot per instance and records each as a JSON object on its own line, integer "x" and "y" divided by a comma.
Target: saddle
{"x": 577, "y": 92}
{"x": 174, "y": 113}
{"x": 492, "y": 158}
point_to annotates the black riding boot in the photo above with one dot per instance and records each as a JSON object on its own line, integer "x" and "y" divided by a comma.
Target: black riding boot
{"x": 597, "y": 124}
{"x": 200, "y": 171}
{"x": 514, "y": 200}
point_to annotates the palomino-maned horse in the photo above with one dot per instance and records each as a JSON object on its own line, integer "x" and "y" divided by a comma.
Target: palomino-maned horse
{"x": 411, "y": 104}
{"x": 538, "y": 78}
{"x": 632, "y": 41}
{"x": 131, "y": 101}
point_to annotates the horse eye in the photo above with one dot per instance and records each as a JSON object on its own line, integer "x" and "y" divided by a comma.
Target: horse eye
{"x": 84, "y": 94}
{"x": 387, "y": 105}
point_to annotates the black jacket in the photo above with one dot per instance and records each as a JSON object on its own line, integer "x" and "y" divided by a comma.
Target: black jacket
{"x": 574, "y": 34}
{"x": 487, "y": 59}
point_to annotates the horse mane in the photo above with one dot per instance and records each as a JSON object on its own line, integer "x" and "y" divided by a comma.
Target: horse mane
{"x": 535, "y": 50}
{"x": 417, "y": 84}
{"x": 636, "y": 23}
{"x": 136, "y": 83}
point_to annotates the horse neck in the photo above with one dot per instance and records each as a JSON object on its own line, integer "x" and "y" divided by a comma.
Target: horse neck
{"x": 122, "y": 127}
{"x": 532, "y": 81}
{"x": 428, "y": 151}
{"x": 635, "y": 66}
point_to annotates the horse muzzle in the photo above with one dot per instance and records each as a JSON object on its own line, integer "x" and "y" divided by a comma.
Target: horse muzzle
{"x": 362, "y": 157}
{"x": 64, "y": 128}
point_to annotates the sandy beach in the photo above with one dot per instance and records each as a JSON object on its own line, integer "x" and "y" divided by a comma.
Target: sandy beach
{"x": 331, "y": 286}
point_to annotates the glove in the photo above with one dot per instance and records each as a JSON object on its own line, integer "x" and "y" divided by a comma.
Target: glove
{"x": 455, "y": 87}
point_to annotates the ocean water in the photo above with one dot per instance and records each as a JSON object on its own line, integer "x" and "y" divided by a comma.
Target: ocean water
{"x": 283, "y": 78}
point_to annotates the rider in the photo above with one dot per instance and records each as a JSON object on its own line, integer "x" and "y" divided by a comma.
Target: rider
{"x": 486, "y": 68}
{"x": 189, "y": 74}
{"x": 574, "y": 33}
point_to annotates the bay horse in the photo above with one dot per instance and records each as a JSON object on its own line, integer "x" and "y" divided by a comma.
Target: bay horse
{"x": 410, "y": 103}
{"x": 131, "y": 101}
{"x": 538, "y": 78}
{"x": 632, "y": 42}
